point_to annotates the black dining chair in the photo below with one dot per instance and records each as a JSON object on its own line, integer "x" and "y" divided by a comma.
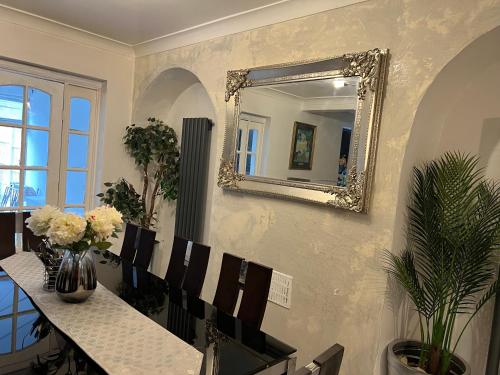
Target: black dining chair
{"x": 128, "y": 247}
{"x": 196, "y": 269}
{"x": 145, "y": 248}
{"x": 176, "y": 268}
{"x": 30, "y": 241}
{"x": 228, "y": 288}
{"x": 255, "y": 293}
{"x": 7, "y": 234}
{"x": 328, "y": 362}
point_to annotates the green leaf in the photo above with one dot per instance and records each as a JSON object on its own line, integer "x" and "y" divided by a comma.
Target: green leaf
{"x": 448, "y": 267}
{"x": 103, "y": 245}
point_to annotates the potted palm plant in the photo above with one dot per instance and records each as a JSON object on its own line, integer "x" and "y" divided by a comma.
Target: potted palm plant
{"x": 448, "y": 265}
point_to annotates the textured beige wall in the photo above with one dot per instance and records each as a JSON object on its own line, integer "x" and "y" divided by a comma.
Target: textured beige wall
{"x": 339, "y": 290}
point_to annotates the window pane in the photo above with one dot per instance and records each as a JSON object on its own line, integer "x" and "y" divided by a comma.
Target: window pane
{"x": 10, "y": 145}
{"x": 75, "y": 187}
{"x": 23, "y": 302}
{"x": 78, "y": 151}
{"x": 11, "y": 104}
{"x": 23, "y": 336}
{"x": 253, "y": 135}
{"x": 238, "y": 142}
{"x": 5, "y": 335}
{"x": 38, "y": 107}
{"x": 250, "y": 165}
{"x": 6, "y": 298}
{"x": 75, "y": 210}
{"x": 37, "y": 148}
{"x": 79, "y": 115}
{"x": 238, "y": 163}
{"x": 9, "y": 187}
{"x": 35, "y": 188}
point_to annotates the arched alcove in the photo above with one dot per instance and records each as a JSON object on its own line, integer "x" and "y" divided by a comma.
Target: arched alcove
{"x": 173, "y": 95}
{"x": 460, "y": 111}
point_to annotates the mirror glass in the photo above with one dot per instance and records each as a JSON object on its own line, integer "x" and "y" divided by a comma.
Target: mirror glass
{"x": 297, "y": 131}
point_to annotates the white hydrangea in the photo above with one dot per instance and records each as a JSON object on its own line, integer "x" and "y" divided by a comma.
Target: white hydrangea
{"x": 104, "y": 221}
{"x": 40, "y": 220}
{"x": 66, "y": 229}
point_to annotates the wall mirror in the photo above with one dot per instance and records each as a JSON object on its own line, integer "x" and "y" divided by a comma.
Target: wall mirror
{"x": 305, "y": 130}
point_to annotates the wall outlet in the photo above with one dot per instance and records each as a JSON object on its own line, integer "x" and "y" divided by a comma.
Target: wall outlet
{"x": 281, "y": 289}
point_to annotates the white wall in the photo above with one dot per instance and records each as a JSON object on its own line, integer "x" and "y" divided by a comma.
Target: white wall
{"x": 34, "y": 41}
{"x": 282, "y": 111}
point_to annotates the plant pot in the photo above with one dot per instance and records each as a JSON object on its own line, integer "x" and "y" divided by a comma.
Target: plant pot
{"x": 76, "y": 279}
{"x": 411, "y": 349}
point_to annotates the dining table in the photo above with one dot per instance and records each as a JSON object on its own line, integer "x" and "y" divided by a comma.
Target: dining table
{"x": 30, "y": 343}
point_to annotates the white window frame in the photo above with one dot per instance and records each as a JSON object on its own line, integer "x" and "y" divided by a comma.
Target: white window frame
{"x": 55, "y": 90}
{"x": 72, "y": 91}
{"x": 259, "y": 123}
{"x": 78, "y": 84}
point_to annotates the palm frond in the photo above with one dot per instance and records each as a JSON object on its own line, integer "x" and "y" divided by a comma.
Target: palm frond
{"x": 453, "y": 238}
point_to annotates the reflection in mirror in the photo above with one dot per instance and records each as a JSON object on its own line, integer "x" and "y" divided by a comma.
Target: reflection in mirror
{"x": 305, "y": 130}
{"x": 297, "y": 131}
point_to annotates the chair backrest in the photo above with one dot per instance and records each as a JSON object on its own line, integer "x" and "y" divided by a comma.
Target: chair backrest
{"x": 145, "y": 248}
{"x": 7, "y": 234}
{"x": 328, "y": 362}
{"x": 254, "y": 299}
{"x": 128, "y": 247}
{"x": 30, "y": 241}
{"x": 228, "y": 288}
{"x": 176, "y": 268}
{"x": 196, "y": 269}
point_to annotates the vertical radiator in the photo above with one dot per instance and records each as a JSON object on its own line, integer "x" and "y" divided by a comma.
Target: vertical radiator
{"x": 195, "y": 154}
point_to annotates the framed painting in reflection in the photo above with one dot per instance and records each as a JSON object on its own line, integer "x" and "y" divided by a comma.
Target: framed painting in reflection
{"x": 302, "y": 149}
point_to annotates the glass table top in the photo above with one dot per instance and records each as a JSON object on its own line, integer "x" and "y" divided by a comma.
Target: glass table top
{"x": 29, "y": 344}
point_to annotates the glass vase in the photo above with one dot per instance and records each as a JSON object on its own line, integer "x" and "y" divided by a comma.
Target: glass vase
{"x": 76, "y": 279}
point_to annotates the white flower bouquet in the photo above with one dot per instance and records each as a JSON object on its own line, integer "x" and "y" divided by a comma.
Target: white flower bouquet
{"x": 75, "y": 233}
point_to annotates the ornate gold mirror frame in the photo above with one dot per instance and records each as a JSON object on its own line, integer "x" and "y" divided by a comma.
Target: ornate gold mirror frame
{"x": 370, "y": 67}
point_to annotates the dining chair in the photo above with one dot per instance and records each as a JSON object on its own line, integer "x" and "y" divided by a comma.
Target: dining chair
{"x": 196, "y": 269}
{"x": 255, "y": 293}
{"x": 145, "y": 248}
{"x": 30, "y": 241}
{"x": 176, "y": 268}
{"x": 228, "y": 288}
{"x": 328, "y": 362}
{"x": 128, "y": 247}
{"x": 7, "y": 234}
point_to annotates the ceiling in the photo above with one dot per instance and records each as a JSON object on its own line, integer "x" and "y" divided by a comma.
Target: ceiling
{"x": 136, "y": 21}
{"x": 322, "y": 88}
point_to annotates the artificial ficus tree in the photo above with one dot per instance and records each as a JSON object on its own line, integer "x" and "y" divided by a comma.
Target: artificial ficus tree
{"x": 155, "y": 151}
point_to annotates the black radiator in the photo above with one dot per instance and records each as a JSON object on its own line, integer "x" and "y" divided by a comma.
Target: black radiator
{"x": 195, "y": 154}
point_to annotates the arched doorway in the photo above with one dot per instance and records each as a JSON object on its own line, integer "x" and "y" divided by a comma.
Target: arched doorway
{"x": 460, "y": 111}
{"x": 173, "y": 95}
